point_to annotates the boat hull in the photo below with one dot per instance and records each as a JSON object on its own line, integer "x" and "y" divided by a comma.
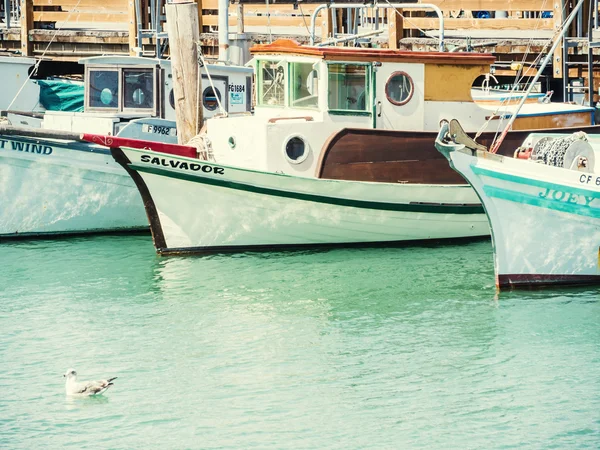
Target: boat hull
{"x": 54, "y": 187}
{"x": 197, "y": 206}
{"x": 545, "y": 220}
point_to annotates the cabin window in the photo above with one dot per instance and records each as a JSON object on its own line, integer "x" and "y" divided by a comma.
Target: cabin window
{"x": 399, "y": 88}
{"x": 138, "y": 87}
{"x": 295, "y": 150}
{"x": 303, "y": 85}
{"x": 271, "y": 83}
{"x": 103, "y": 89}
{"x": 209, "y": 98}
{"x": 348, "y": 87}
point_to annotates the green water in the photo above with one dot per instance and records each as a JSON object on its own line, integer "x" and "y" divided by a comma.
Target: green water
{"x": 348, "y": 349}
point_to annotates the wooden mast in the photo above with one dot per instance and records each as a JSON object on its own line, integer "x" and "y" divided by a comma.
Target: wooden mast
{"x": 184, "y": 33}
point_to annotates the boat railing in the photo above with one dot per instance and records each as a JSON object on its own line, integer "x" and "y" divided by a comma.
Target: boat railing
{"x": 376, "y": 6}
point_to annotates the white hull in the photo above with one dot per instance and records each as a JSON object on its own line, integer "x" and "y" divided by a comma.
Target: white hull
{"x": 52, "y": 187}
{"x": 197, "y": 206}
{"x": 545, "y": 220}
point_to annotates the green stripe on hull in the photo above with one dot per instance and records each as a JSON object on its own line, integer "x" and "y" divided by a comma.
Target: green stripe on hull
{"x": 533, "y": 182}
{"x": 534, "y": 200}
{"x": 381, "y": 206}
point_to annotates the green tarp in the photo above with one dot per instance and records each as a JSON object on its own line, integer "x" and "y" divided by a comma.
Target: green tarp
{"x": 59, "y": 95}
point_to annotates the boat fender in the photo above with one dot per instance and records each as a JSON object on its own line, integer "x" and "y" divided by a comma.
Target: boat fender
{"x": 523, "y": 153}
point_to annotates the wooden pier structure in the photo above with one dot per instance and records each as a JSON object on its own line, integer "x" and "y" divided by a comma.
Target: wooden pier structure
{"x": 66, "y": 30}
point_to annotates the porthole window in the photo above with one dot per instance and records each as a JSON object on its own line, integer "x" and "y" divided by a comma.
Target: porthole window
{"x": 209, "y": 98}
{"x": 296, "y": 150}
{"x": 172, "y": 99}
{"x": 399, "y": 88}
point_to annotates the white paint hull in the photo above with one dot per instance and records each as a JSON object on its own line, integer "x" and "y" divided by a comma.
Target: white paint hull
{"x": 209, "y": 207}
{"x": 545, "y": 220}
{"x": 61, "y": 188}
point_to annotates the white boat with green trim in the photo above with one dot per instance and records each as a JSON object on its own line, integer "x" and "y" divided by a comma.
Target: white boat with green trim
{"x": 51, "y": 184}
{"x": 339, "y": 151}
{"x": 197, "y": 206}
{"x": 543, "y": 206}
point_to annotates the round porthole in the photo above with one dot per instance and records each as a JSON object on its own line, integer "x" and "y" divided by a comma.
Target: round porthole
{"x": 209, "y": 98}
{"x": 296, "y": 150}
{"x": 106, "y": 96}
{"x": 399, "y": 88}
{"x": 231, "y": 142}
{"x": 139, "y": 97}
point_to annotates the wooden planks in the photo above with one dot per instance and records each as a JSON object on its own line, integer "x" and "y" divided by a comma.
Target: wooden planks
{"x": 432, "y": 23}
{"x": 75, "y": 17}
{"x": 491, "y": 5}
{"x": 96, "y": 4}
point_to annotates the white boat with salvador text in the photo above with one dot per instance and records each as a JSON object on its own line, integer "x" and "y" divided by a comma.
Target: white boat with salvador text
{"x": 339, "y": 151}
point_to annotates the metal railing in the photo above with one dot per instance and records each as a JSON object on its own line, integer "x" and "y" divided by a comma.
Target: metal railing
{"x": 10, "y": 13}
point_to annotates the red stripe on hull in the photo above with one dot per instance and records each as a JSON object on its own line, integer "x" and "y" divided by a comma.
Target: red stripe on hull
{"x": 140, "y": 144}
{"x": 540, "y": 280}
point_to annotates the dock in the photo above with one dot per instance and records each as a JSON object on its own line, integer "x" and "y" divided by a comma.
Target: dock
{"x": 67, "y": 30}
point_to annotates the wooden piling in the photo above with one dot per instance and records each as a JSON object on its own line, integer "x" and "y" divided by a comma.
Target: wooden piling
{"x": 396, "y": 27}
{"x": 26, "y": 26}
{"x": 132, "y": 27}
{"x": 184, "y": 33}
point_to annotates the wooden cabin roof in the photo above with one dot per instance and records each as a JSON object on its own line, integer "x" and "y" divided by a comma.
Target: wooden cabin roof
{"x": 291, "y": 47}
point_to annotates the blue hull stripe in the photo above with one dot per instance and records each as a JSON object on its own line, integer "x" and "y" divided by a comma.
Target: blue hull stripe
{"x": 537, "y": 183}
{"x": 533, "y": 200}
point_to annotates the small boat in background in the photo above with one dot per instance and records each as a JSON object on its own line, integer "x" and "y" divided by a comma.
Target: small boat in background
{"x": 51, "y": 183}
{"x": 543, "y": 205}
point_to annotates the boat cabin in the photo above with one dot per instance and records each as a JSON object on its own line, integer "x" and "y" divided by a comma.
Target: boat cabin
{"x": 137, "y": 92}
{"x": 308, "y": 97}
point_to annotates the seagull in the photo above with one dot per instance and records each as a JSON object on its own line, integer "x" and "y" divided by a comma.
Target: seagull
{"x": 85, "y": 388}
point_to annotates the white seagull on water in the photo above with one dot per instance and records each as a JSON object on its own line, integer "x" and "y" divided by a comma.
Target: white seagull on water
{"x": 85, "y": 388}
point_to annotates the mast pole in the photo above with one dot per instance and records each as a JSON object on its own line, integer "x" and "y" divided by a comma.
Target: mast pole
{"x": 550, "y": 54}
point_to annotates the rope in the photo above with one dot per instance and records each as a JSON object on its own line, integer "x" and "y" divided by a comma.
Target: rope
{"x": 518, "y": 77}
{"x": 557, "y": 33}
{"x": 303, "y": 18}
{"x": 39, "y": 61}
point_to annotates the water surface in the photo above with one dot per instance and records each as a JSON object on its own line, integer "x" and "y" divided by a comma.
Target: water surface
{"x": 363, "y": 348}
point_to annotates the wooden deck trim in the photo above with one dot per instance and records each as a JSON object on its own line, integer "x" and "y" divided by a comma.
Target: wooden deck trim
{"x": 290, "y": 47}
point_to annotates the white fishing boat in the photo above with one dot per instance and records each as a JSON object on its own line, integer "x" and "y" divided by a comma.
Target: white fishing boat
{"x": 78, "y": 187}
{"x": 197, "y": 206}
{"x": 544, "y": 211}
{"x": 543, "y": 204}
{"x": 340, "y": 151}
